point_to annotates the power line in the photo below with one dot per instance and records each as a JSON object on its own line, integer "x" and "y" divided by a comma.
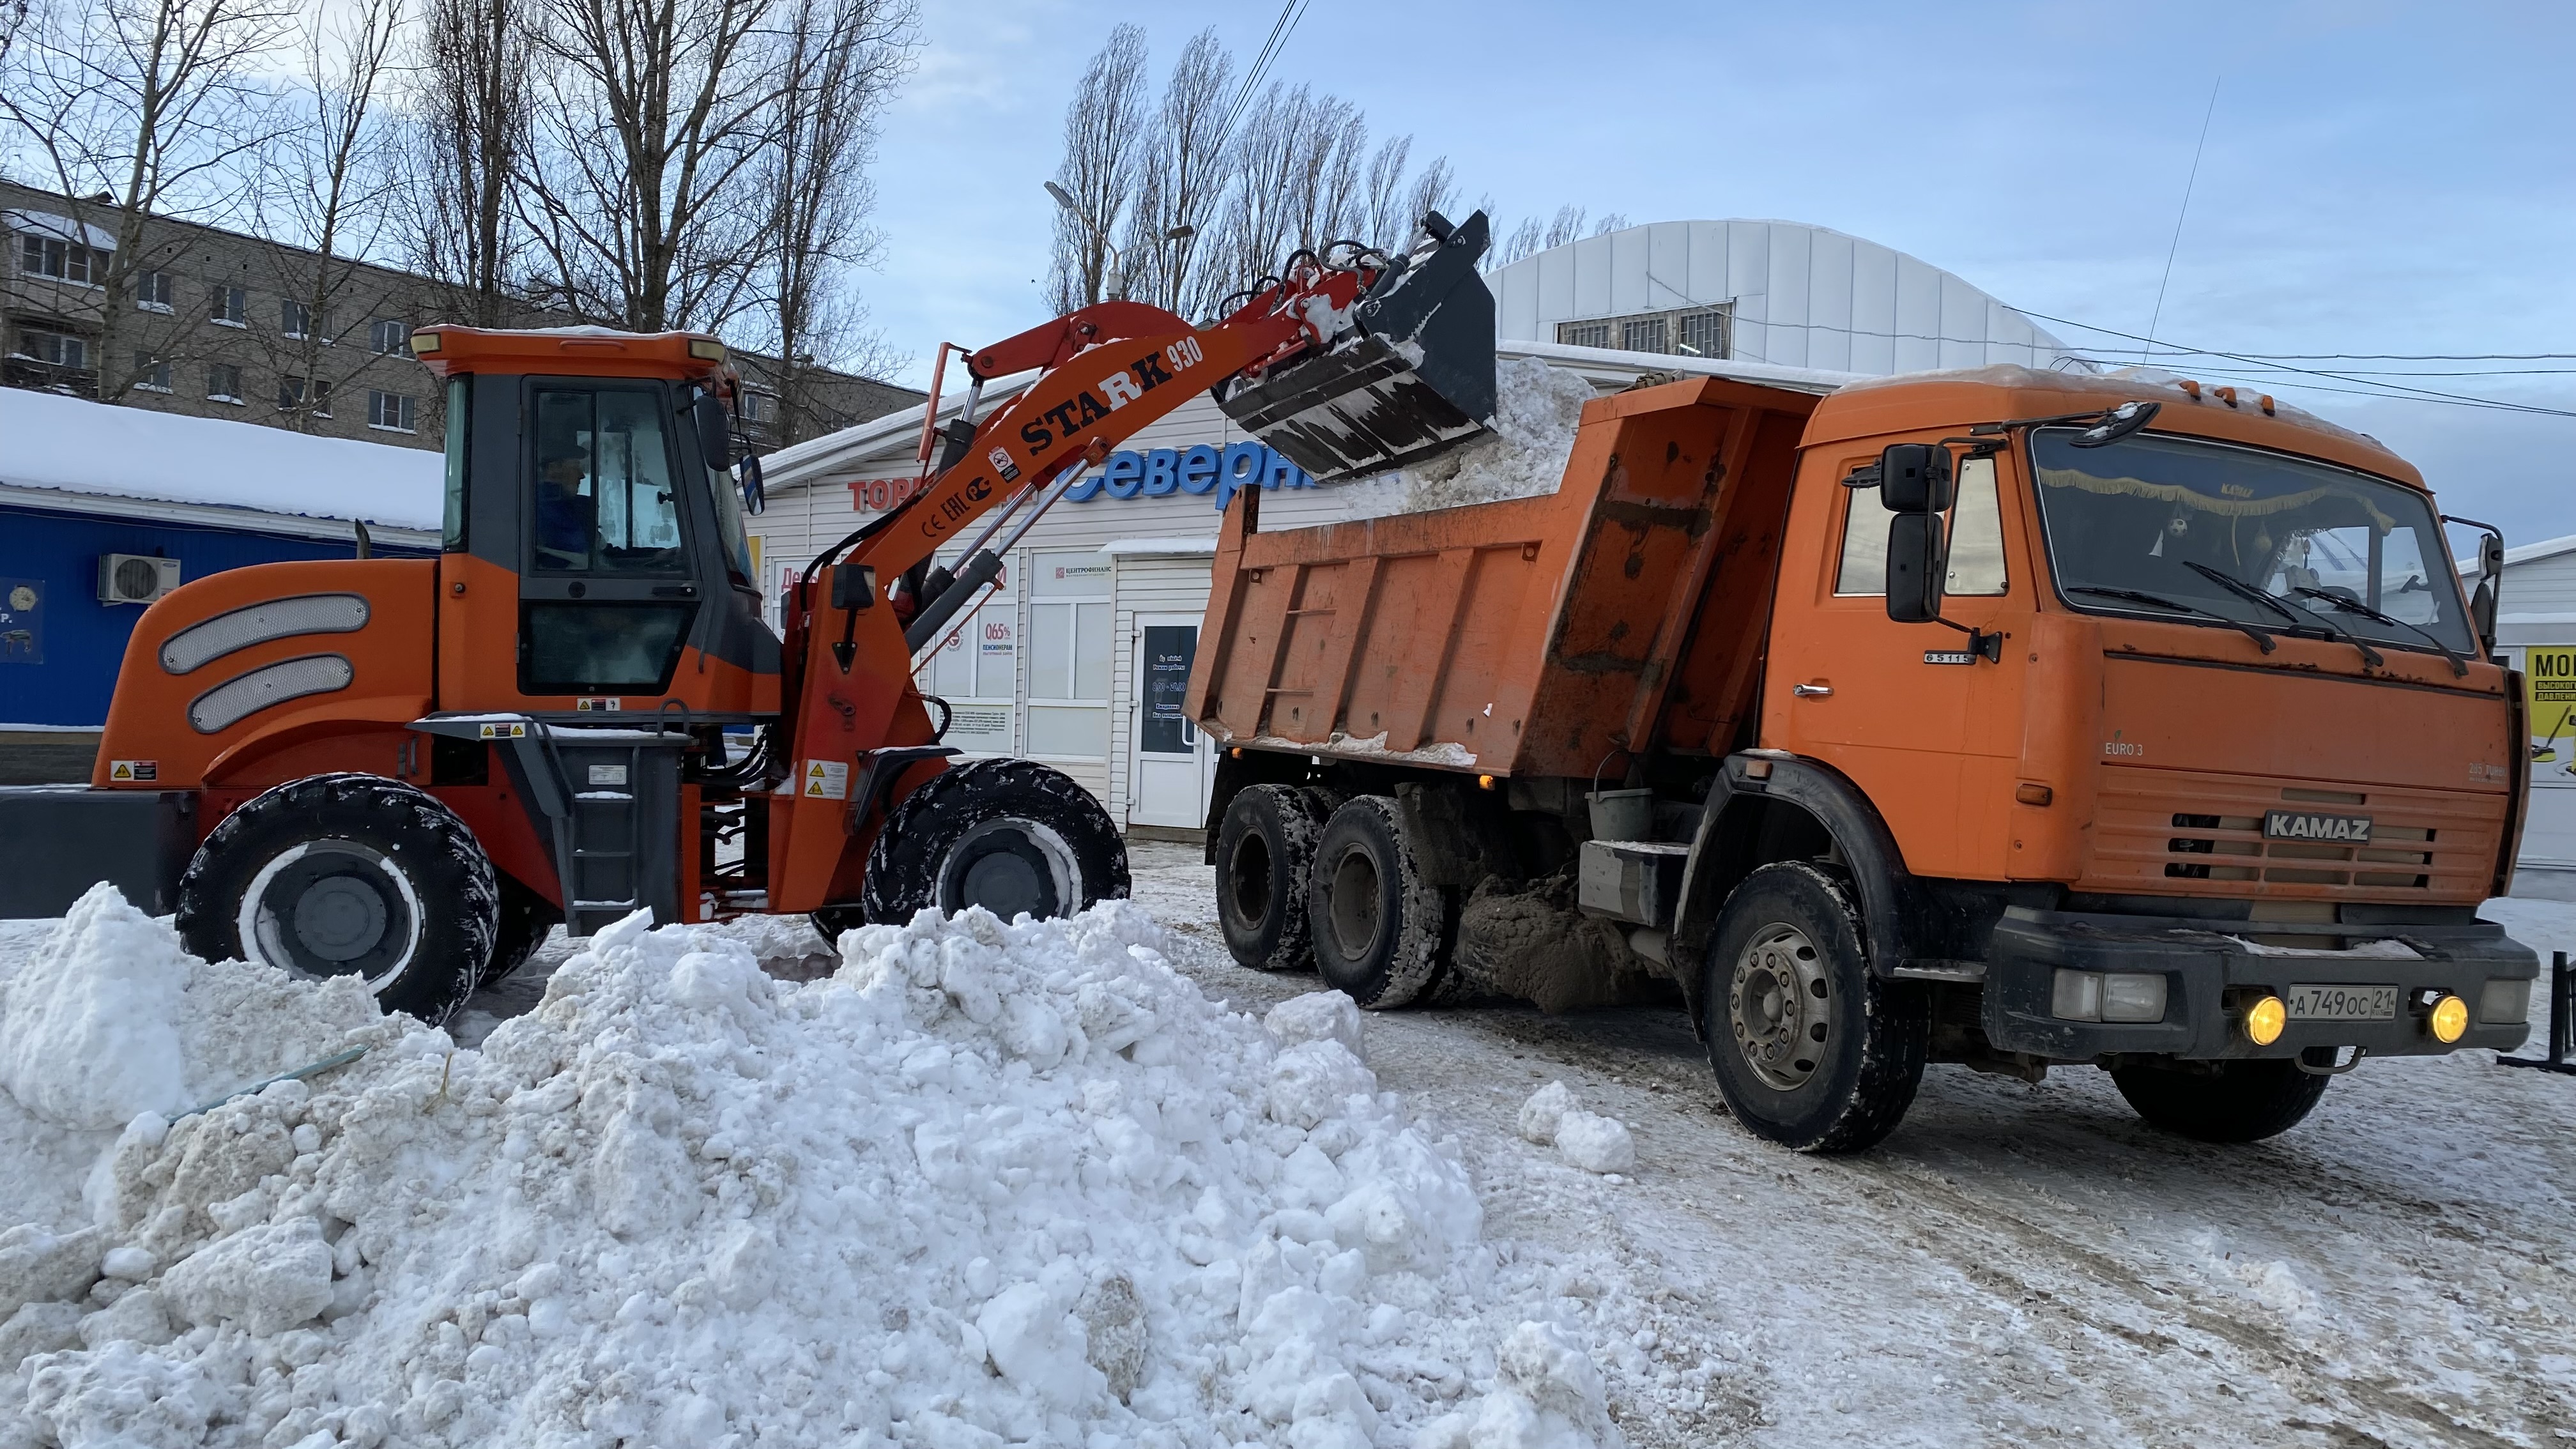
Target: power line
{"x": 2387, "y": 356}
{"x": 2395, "y": 389}
{"x": 2185, "y": 210}
{"x": 1290, "y": 13}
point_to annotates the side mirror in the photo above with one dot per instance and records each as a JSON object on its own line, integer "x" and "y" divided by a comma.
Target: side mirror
{"x": 715, "y": 432}
{"x": 1917, "y": 562}
{"x": 1914, "y": 478}
{"x": 755, "y": 498}
{"x": 2489, "y": 596}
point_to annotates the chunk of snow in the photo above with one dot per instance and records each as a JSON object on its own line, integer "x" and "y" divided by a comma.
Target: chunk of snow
{"x": 1595, "y": 1143}
{"x": 1318, "y": 1016}
{"x": 1545, "y": 1109}
{"x": 1536, "y": 410}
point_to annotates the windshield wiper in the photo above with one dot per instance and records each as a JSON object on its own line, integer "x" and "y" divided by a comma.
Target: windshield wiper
{"x": 2160, "y": 601}
{"x": 2459, "y": 666}
{"x": 2285, "y": 609}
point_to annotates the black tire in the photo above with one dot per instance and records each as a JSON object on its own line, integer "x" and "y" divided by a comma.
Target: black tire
{"x": 2244, "y": 1101}
{"x": 1380, "y": 932}
{"x": 338, "y": 875}
{"x": 1811, "y": 1049}
{"x": 1011, "y": 836}
{"x": 1265, "y": 851}
{"x": 526, "y": 919}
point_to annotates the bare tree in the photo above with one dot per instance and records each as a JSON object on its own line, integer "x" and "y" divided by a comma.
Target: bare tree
{"x": 649, "y": 117}
{"x": 1183, "y": 177}
{"x": 1103, "y": 144}
{"x": 845, "y": 58}
{"x": 137, "y": 107}
{"x": 1565, "y": 226}
{"x": 467, "y": 128}
{"x": 321, "y": 207}
{"x": 1522, "y": 242}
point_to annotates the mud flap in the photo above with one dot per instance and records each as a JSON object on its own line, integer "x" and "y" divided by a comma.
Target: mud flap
{"x": 1413, "y": 377}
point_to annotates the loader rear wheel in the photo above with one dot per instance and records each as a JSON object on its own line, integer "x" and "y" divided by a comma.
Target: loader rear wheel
{"x": 1811, "y": 1048}
{"x": 1381, "y": 933}
{"x": 2243, "y": 1101}
{"x": 1012, "y": 836}
{"x": 1265, "y": 852}
{"x": 348, "y": 875}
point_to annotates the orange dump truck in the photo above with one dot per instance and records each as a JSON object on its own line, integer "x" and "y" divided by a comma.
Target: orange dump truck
{"x": 1996, "y": 718}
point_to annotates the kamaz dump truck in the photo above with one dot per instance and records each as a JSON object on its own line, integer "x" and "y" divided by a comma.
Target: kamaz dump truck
{"x": 1996, "y": 718}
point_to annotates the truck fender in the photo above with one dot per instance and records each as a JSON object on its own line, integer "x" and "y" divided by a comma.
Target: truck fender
{"x": 1745, "y": 823}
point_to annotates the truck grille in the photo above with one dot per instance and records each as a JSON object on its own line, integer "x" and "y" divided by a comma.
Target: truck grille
{"x": 2185, "y": 833}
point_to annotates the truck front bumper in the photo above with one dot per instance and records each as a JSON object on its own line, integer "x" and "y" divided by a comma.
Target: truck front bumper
{"x": 2211, "y": 973}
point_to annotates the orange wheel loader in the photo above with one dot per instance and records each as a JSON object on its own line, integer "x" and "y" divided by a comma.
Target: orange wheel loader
{"x": 410, "y": 770}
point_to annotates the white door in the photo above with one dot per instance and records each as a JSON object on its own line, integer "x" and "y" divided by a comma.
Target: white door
{"x": 1173, "y": 764}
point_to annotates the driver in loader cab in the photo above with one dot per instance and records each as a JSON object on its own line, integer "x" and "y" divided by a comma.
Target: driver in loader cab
{"x": 563, "y": 514}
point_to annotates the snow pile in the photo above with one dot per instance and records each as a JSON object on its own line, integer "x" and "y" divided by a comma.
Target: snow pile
{"x": 1536, "y": 408}
{"x": 1552, "y": 1117}
{"x": 987, "y": 1183}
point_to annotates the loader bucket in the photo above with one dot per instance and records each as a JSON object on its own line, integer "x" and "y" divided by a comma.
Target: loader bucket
{"x": 1413, "y": 377}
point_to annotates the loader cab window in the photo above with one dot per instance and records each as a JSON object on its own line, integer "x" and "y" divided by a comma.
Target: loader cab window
{"x": 452, "y": 535}
{"x": 604, "y": 501}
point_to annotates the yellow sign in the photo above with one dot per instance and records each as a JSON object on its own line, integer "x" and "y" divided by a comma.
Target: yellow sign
{"x": 2549, "y": 685}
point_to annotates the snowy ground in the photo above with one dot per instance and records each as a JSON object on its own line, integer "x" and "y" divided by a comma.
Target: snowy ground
{"x": 2017, "y": 1264}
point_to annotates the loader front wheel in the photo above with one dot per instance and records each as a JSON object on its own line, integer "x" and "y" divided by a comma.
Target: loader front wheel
{"x": 348, "y": 875}
{"x": 526, "y": 919}
{"x": 1012, "y": 836}
{"x": 1265, "y": 850}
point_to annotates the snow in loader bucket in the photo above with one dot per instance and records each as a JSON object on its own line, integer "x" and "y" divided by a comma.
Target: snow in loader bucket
{"x": 1413, "y": 377}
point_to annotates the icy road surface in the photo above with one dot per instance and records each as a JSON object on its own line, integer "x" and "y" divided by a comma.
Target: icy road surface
{"x": 2019, "y": 1264}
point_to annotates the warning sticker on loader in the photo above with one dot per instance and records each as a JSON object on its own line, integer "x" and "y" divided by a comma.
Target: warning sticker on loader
{"x": 2549, "y": 684}
{"x": 826, "y": 780}
{"x": 505, "y": 731}
{"x": 133, "y": 772}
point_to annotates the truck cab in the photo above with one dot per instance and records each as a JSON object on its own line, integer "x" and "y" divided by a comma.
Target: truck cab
{"x": 2006, "y": 719}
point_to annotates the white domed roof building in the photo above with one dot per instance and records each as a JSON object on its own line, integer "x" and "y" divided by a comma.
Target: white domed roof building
{"x": 1778, "y": 292}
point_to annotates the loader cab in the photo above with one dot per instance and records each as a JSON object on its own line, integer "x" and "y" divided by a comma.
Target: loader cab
{"x": 593, "y": 562}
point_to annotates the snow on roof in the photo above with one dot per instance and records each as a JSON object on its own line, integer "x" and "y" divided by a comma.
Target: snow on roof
{"x": 71, "y": 445}
{"x": 810, "y": 461}
{"x": 26, "y": 219}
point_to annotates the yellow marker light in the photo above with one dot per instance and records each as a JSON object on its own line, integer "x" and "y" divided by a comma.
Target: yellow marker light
{"x": 2450, "y": 1020}
{"x": 424, "y": 343}
{"x": 1484, "y": 782}
{"x": 2265, "y": 1019}
{"x": 706, "y": 349}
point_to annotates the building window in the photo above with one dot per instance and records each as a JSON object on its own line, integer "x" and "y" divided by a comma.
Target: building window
{"x": 152, "y": 291}
{"x": 53, "y": 348}
{"x": 1068, "y": 657}
{"x": 230, "y": 306}
{"x": 46, "y": 256}
{"x": 1702, "y": 334}
{"x": 291, "y": 391}
{"x": 389, "y": 338}
{"x": 1583, "y": 334}
{"x": 753, "y": 406}
{"x": 294, "y": 318}
{"x": 391, "y": 410}
{"x": 223, "y": 383}
{"x": 1644, "y": 334}
{"x": 151, "y": 374}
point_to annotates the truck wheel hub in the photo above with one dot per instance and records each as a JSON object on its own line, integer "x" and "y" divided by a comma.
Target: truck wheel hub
{"x": 1779, "y": 1005}
{"x": 1355, "y": 904}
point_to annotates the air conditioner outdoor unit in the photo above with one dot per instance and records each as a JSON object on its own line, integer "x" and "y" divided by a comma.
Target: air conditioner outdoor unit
{"x": 133, "y": 578}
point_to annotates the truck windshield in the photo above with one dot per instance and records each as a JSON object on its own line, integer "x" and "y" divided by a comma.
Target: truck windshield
{"x": 2154, "y": 517}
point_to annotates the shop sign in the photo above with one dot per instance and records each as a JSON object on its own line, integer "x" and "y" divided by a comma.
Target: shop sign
{"x": 1205, "y": 471}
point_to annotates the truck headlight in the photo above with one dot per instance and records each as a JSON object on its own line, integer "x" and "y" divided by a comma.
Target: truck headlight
{"x": 2111, "y": 996}
{"x": 2505, "y": 1003}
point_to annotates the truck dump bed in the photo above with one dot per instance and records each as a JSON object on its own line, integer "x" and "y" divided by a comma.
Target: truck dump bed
{"x": 1532, "y": 637}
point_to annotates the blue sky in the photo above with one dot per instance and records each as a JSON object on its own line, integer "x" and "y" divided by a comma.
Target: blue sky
{"x": 2379, "y": 177}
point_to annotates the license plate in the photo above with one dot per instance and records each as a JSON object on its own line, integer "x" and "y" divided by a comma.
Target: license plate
{"x": 2342, "y": 1003}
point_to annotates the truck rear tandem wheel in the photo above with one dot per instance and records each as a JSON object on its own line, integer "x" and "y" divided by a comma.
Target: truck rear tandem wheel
{"x": 348, "y": 875}
{"x": 1265, "y": 859}
{"x": 1380, "y": 930}
{"x": 1012, "y": 836}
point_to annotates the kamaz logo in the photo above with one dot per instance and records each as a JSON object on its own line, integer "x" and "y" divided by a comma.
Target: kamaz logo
{"x": 2299, "y": 825}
